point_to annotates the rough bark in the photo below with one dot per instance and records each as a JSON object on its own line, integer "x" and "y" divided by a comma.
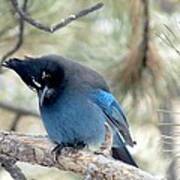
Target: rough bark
{"x": 38, "y": 150}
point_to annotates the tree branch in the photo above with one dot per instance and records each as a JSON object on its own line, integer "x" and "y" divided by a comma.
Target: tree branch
{"x": 10, "y": 166}
{"x": 15, "y": 122}
{"x": 55, "y": 27}
{"x": 24, "y": 16}
{"x": 19, "y": 36}
{"x": 38, "y": 150}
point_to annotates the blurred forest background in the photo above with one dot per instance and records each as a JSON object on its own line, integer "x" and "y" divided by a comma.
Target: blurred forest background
{"x": 134, "y": 44}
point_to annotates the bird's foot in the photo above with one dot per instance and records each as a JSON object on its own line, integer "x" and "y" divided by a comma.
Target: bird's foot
{"x": 71, "y": 147}
{"x": 74, "y": 147}
{"x": 79, "y": 145}
{"x": 57, "y": 150}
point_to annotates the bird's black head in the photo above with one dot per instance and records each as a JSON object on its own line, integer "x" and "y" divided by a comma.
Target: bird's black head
{"x": 45, "y": 75}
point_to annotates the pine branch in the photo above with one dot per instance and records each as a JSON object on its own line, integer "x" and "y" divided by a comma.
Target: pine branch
{"x": 62, "y": 23}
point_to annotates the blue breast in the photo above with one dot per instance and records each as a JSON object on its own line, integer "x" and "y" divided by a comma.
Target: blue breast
{"x": 74, "y": 118}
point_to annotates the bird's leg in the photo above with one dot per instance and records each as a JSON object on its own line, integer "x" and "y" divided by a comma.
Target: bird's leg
{"x": 79, "y": 145}
{"x": 73, "y": 148}
{"x": 57, "y": 150}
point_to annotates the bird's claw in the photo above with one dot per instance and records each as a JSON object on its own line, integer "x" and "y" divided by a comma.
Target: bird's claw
{"x": 72, "y": 148}
{"x": 57, "y": 151}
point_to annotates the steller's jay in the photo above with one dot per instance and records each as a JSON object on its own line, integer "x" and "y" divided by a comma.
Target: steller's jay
{"x": 75, "y": 104}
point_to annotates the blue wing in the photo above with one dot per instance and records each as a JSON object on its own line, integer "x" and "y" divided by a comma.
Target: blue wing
{"x": 113, "y": 111}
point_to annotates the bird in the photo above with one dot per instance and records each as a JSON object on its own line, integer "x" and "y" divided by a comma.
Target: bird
{"x": 75, "y": 104}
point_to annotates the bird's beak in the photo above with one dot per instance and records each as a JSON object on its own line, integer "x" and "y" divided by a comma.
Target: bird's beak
{"x": 42, "y": 95}
{"x": 5, "y": 64}
{"x": 17, "y": 65}
{"x": 11, "y": 63}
